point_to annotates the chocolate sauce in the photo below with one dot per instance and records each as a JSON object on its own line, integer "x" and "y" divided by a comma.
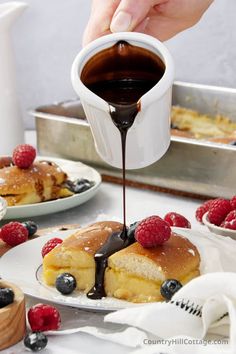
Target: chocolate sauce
{"x": 120, "y": 75}
{"x": 114, "y": 243}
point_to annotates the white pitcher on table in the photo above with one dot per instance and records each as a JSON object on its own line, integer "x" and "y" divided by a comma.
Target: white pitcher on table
{"x": 11, "y": 124}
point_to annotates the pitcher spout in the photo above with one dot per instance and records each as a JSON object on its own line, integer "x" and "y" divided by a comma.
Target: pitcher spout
{"x": 10, "y": 11}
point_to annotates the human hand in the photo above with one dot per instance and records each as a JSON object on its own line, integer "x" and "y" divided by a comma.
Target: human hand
{"x": 159, "y": 18}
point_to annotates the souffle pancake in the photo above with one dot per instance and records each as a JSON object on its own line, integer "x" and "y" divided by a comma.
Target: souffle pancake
{"x": 134, "y": 273}
{"x": 42, "y": 181}
{"x": 75, "y": 255}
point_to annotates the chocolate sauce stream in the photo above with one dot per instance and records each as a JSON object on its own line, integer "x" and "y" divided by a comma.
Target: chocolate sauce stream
{"x": 123, "y": 117}
{"x": 117, "y": 240}
{"x": 120, "y": 75}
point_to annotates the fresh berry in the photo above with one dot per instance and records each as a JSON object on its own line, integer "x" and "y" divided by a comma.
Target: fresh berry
{"x": 49, "y": 245}
{"x": 6, "y": 297}
{"x": 14, "y": 233}
{"x": 231, "y": 215}
{"x": 31, "y": 226}
{"x": 178, "y": 220}
{"x": 152, "y": 231}
{"x": 229, "y": 224}
{"x": 204, "y": 208}
{"x": 23, "y": 156}
{"x": 35, "y": 341}
{"x": 65, "y": 283}
{"x": 131, "y": 231}
{"x": 233, "y": 202}
{"x": 218, "y": 210}
{"x": 44, "y": 317}
{"x": 169, "y": 288}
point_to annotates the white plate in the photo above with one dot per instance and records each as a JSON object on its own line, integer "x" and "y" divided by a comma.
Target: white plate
{"x": 74, "y": 170}
{"x": 217, "y": 229}
{"x": 22, "y": 266}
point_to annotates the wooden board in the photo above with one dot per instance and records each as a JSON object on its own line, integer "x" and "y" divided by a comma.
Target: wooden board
{"x": 4, "y": 247}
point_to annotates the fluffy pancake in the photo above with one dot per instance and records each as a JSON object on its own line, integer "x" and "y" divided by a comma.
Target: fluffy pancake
{"x": 202, "y": 126}
{"x": 40, "y": 182}
{"x": 76, "y": 254}
{"x": 136, "y": 273}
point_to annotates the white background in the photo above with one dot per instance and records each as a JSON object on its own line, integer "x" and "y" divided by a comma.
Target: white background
{"x": 48, "y": 36}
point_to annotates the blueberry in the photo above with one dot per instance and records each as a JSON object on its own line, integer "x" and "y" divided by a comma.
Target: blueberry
{"x": 131, "y": 231}
{"x": 65, "y": 283}
{"x": 35, "y": 341}
{"x": 79, "y": 186}
{"x": 169, "y": 288}
{"x": 69, "y": 185}
{"x": 82, "y": 185}
{"x": 31, "y": 226}
{"x": 6, "y": 297}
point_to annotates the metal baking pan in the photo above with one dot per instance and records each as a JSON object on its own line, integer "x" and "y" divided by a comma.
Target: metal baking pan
{"x": 190, "y": 166}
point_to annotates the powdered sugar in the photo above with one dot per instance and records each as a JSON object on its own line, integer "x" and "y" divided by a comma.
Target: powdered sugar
{"x": 2, "y": 181}
{"x": 191, "y": 251}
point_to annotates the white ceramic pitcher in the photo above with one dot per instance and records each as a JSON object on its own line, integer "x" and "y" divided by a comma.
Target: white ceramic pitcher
{"x": 149, "y": 137}
{"x": 11, "y": 124}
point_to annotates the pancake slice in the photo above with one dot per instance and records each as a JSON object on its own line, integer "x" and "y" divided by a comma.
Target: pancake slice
{"x": 40, "y": 182}
{"x": 76, "y": 254}
{"x": 136, "y": 273}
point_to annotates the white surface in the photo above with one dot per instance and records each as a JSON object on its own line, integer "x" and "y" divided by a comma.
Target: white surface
{"x": 149, "y": 137}
{"x": 74, "y": 170}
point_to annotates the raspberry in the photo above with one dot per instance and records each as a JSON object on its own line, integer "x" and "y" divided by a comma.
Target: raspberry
{"x": 49, "y": 245}
{"x": 229, "y": 224}
{"x": 24, "y": 155}
{"x": 178, "y": 220}
{"x": 152, "y": 231}
{"x": 44, "y": 317}
{"x": 231, "y": 215}
{"x": 218, "y": 210}
{"x": 14, "y": 233}
{"x": 203, "y": 209}
{"x": 233, "y": 202}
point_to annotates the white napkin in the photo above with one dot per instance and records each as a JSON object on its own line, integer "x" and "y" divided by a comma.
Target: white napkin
{"x": 203, "y": 308}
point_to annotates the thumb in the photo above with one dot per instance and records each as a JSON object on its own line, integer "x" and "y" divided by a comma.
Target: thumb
{"x": 129, "y": 14}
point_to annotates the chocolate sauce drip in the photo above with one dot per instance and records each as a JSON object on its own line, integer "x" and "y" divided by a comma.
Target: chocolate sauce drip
{"x": 120, "y": 75}
{"x": 116, "y": 242}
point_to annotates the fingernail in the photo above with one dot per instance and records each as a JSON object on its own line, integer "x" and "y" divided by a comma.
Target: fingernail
{"x": 121, "y": 22}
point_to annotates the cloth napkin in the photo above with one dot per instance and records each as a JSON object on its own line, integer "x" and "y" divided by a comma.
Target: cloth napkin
{"x": 204, "y": 309}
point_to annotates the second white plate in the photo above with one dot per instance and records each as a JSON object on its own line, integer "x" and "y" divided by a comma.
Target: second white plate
{"x": 74, "y": 171}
